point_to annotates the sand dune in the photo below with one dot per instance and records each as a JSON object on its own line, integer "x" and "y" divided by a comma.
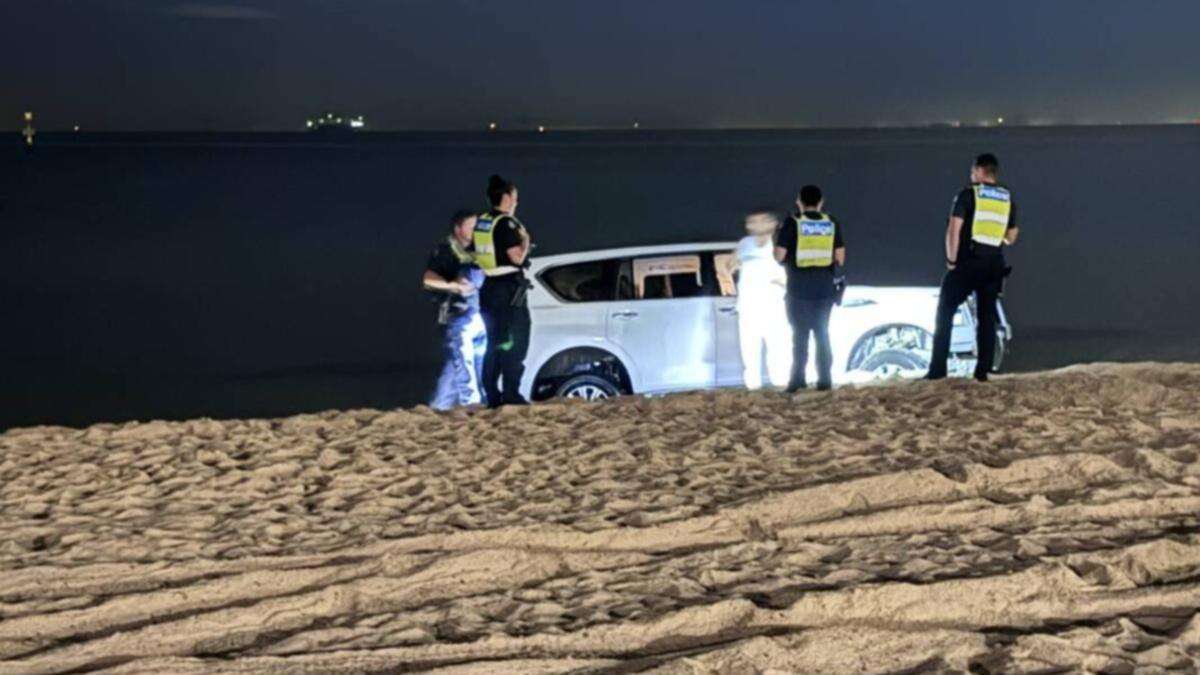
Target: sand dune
{"x": 1042, "y": 523}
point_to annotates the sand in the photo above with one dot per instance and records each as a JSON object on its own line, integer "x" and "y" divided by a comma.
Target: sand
{"x": 1041, "y": 523}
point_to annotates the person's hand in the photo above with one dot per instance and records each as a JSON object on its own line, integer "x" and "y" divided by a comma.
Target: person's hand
{"x": 463, "y": 287}
{"x": 950, "y": 266}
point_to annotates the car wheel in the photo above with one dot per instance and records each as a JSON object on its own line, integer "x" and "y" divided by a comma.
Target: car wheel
{"x": 894, "y": 363}
{"x": 588, "y": 388}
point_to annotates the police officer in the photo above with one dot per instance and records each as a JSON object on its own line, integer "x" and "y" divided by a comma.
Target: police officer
{"x": 811, "y": 248}
{"x": 502, "y": 247}
{"x": 982, "y": 222}
{"x": 454, "y": 279}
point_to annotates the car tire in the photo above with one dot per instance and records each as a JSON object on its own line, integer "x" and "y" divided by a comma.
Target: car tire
{"x": 894, "y": 362}
{"x": 588, "y": 388}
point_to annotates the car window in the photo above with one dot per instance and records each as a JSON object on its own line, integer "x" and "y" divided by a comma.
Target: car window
{"x": 591, "y": 281}
{"x": 671, "y": 276}
{"x": 726, "y": 275}
{"x": 684, "y": 275}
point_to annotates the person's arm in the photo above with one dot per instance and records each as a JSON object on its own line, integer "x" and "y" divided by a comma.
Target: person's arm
{"x": 958, "y": 214}
{"x": 432, "y": 281}
{"x": 953, "y": 232}
{"x": 782, "y": 238}
{"x": 1010, "y": 235}
{"x": 839, "y": 245}
{"x": 517, "y": 252}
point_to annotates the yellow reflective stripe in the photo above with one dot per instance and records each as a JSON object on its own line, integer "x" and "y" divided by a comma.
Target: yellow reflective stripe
{"x": 993, "y": 216}
{"x": 990, "y": 223}
{"x": 814, "y": 250}
{"x": 461, "y": 254}
{"x": 485, "y": 242}
{"x": 485, "y": 246}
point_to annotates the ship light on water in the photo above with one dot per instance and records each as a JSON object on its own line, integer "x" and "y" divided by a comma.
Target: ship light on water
{"x": 332, "y": 122}
{"x": 28, "y": 132}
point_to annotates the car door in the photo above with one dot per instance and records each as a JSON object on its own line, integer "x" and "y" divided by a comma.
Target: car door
{"x": 663, "y": 319}
{"x": 729, "y": 370}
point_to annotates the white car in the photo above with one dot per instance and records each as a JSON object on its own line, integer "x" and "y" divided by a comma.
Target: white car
{"x": 659, "y": 319}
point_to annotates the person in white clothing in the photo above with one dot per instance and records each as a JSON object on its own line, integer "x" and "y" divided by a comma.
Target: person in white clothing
{"x": 762, "y": 314}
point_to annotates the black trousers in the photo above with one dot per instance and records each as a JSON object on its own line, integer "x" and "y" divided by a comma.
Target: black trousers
{"x": 810, "y": 316}
{"x": 983, "y": 277}
{"x": 506, "y": 316}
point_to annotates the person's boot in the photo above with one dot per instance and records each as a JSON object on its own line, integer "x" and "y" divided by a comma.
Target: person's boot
{"x": 795, "y": 386}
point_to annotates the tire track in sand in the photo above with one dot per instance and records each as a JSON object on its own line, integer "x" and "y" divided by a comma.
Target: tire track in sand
{"x": 697, "y": 533}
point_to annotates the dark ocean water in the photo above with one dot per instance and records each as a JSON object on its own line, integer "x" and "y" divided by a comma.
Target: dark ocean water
{"x": 147, "y": 276}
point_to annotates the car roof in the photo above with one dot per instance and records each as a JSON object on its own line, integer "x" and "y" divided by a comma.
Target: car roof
{"x": 629, "y": 251}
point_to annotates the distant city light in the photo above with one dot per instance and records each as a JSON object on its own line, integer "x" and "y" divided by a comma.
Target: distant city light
{"x": 636, "y": 125}
{"x": 76, "y": 127}
{"x": 28, "y": 117}
{"x": 357, "y": 124}
{"x": 999, "y": 120}
{"x": 309, "y": 123}
{"x": 491, "y": 126}
{"x": 541, "y": 129}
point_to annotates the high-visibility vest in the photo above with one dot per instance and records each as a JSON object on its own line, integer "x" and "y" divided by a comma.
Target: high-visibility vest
{"x": 485, "y": 244}
{"x": 460, "y": 254}
{"x": 814, "y": 241}
{"x": 993, "y": 206}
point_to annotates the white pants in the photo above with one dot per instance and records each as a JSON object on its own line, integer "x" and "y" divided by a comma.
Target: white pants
{"x": 762, "y": 322}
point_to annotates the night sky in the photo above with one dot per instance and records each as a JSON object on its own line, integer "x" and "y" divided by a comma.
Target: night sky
{"x": 456, "y": 64}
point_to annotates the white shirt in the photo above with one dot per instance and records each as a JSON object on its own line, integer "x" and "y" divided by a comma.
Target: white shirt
{"x": 760, "y": 277}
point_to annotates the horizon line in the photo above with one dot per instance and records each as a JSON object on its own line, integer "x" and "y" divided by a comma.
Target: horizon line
{"x": 537, "y": 131}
